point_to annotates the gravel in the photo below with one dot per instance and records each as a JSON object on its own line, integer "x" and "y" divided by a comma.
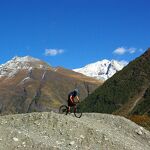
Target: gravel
{"x": 52, "y": 131}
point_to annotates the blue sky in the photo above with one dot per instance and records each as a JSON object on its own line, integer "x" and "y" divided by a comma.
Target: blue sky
{"x": 73, "y": 33}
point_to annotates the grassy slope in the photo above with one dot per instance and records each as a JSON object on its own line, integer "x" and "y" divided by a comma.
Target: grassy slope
{"x": 121, "y": 88}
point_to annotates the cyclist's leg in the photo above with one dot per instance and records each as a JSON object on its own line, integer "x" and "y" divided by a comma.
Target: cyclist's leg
{"x": 69, "y": 105}
{"x": 75, "y": 108}
{"x": 68, "y": 111}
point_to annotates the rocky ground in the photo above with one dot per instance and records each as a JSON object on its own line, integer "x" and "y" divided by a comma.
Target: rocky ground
{"x": 52, "y": 131}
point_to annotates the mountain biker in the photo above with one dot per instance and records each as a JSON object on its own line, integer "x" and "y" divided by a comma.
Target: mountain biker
{"x": 71, "y": 96}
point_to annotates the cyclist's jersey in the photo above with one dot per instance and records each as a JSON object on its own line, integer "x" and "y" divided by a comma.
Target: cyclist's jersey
{"x": 73, "y": 95}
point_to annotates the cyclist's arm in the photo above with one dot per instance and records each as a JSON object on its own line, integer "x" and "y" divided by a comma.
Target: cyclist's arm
{"x": 71, "y": 98}
{"x": 77, "y": 98}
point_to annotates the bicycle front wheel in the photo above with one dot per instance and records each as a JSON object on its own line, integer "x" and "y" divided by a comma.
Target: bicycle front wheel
{"x": 63, "y": 109}
{"x": 78, "y": 113}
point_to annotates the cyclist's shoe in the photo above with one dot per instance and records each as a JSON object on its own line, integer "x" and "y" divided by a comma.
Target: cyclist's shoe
{"x": 68, "y": 112}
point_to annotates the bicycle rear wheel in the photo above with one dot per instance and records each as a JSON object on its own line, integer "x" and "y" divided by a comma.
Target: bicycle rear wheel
{"x": 63, "y": 109}
{"x": 78, "y": 112}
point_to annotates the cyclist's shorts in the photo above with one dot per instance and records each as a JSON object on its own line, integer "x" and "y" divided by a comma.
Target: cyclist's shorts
{"x": 70, "y": 103}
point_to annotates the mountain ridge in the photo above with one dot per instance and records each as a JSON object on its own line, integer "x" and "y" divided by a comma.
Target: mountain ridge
{"x": 11, "y": 67}
{"x": 103, "y": 69}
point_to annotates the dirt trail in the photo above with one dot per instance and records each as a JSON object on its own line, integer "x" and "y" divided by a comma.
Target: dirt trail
{"x": 52, "y": 131}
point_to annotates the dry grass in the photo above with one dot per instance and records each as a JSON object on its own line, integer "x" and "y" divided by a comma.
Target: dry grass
{"x": 143, "y": 120}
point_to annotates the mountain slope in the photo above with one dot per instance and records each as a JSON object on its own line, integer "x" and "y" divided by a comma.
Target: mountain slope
{"x": 54, "y": 131}
{"x": 28, "y": 84}
{"x": 129, "y": 86}
{"x": 102, "y": 69}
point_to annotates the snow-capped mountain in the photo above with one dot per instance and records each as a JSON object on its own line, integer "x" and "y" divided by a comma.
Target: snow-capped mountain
{"x": 28, "y": 84}
{"x": 10, "y": 68}
{"x": 102, "y": 70}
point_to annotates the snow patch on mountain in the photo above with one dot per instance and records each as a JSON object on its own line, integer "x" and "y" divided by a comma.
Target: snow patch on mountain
{"x": 10, "y": 68}
{"x": 25, "y": 80}
{"x": 102, "y": 70}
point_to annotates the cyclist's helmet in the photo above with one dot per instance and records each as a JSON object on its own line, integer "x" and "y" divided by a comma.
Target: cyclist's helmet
{"x": 76, "y": 91}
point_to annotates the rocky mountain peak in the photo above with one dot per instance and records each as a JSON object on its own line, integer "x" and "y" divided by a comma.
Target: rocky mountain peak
{"x": 25, "y": 59}
{"x": 103, "y": 69}
{"x": 11, "y": 67}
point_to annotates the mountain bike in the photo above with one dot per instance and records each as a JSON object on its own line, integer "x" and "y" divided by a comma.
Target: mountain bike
{"x": 63, "y": 109}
